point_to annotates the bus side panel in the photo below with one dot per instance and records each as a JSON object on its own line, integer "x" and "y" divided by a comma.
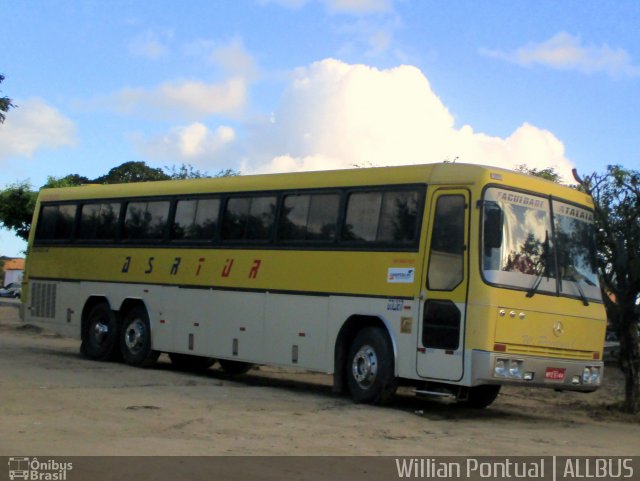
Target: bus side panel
{"x": 215, "y": 323}
{"x": 296, "y": 330}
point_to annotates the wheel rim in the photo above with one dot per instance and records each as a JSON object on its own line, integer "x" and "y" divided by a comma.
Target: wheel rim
{"x": 365, "y": 366}
{"x": 100, "y": 332}
{"x": 134, "y": 336}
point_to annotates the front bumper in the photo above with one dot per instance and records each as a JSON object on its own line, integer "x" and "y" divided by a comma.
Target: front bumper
{"x": 535, "y": 371}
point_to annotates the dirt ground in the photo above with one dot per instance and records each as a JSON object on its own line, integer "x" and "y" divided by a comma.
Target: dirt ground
{"x": 54, "y": 402}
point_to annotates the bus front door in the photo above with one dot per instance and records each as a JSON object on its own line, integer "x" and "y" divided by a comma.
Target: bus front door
{"x": 440, "y": 350}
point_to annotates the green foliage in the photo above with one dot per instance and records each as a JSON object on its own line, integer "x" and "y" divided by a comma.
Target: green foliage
{"x": 548, "y": 173}
{"x": 71, "y": 180}
{"x": 5, "y": 103}
{"x": 188, "y": 171}
{"x": 227, "y": 173}
{"x": 185, "y": 171}
{"x": 617, "y": 197}
{"x": 17, "y": 202}
{"x": 132, "y": 172}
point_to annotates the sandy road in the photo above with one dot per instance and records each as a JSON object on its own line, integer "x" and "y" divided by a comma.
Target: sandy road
{"x": 54, "y": 402}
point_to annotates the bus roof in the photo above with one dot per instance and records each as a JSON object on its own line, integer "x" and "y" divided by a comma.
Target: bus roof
{"x": 439, "y": 174}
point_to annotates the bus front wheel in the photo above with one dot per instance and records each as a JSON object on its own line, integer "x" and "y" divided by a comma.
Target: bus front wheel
{"x": 100, "y": 334}
{"x": 370, "y": 368}
{"x": 135, "y": 338}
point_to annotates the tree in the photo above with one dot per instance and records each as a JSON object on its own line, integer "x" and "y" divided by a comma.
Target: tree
{"x": 70, "y": 180}
{"x": 616, "y": 195}
{"x": 188, "y": 171}
{"x": 132, "y": 172}
{"x": 17, "y": 202}
{"x": 5, "y": 103}
{"x": 549, "y": 173}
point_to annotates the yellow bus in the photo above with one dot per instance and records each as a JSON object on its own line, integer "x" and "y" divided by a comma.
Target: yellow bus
{"x": 454, "y": 279}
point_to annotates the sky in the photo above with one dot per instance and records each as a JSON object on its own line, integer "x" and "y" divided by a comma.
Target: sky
{"x": 289, "y": 85}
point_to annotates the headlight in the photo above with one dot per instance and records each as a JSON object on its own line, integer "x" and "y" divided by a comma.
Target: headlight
{"x": 500, "y": 369}
{"x": 591, "y": 375}
{"x": 508, "y": 368}
{"x": 515, "y": 369}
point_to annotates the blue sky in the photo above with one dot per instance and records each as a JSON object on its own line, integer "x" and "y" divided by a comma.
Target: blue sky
{"x": 285, "y": 85}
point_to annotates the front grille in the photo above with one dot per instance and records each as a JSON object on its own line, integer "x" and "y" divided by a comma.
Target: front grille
{"x": 548, "y": 351}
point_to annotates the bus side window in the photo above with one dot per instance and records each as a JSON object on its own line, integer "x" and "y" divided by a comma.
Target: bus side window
{"x": 248, "y": 218}
{"x": 146, "y": 220}
{"x": 363, "y": 213}
{"x": 99, "y": 221}
{"x": 447, "y": 244}
{"x": 195, "y": 219}
{"x": 399, "y": 217}
{"x": 56, "y": 222}
{"x": 386, "y": 217}
{"x": 310, "y": 218}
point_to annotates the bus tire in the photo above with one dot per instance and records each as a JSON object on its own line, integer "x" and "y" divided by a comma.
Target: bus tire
{"x": 481, "y": 396}
{"x": 235, "y": 368}
{"x": 135, "y": 338}
{"x": 370, "y": 368}
{"x": 188, "y": 362}
{"x": 100, "y": 334}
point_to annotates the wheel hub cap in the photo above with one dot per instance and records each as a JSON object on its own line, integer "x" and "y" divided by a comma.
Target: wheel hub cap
{"x": 365, "y": 366}
{"x": 100, "y": 332}
{"x": 134, "y": 336}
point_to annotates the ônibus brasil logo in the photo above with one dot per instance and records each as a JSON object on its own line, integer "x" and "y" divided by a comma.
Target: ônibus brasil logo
{"x": 36, "y": 470}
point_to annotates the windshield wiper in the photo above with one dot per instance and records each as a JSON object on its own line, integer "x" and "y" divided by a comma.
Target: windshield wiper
{"x": 538, "y": 280}
{"x": 585, "y": 301}
{"x": 578, "y": 278}
{"x": 544, "y": 257}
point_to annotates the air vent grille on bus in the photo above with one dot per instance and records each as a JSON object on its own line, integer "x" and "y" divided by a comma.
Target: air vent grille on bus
{"x": 548, "y": 351}
{"x": 43, "y": 300}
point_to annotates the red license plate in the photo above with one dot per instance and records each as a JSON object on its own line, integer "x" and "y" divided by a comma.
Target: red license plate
{"x": 554, "y": 374}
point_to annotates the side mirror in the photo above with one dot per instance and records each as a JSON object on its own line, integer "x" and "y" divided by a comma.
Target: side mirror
{"x": 493, "y": 224}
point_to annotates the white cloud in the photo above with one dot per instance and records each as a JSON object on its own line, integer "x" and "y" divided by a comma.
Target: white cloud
{"x": 190, "y": 99}
{"x": 235, "y": 59}
{"x": 194, "y": 143}
{"x": 566, "y": 52}
{"x": 185, "y": 99}
{"x": 231, "y": 57}
{"x": 335, "y": 115}
{"x": 150, "y": 44}
{"x": 33, "y": 126}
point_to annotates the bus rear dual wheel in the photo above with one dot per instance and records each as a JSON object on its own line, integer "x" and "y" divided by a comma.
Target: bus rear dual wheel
{"x": 135, "y": 338}
{"x": 100, "y": 334}
{"x": 105, "y": 339}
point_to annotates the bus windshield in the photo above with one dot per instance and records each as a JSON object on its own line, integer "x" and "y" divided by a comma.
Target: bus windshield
{"x": 525, "y": 247}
